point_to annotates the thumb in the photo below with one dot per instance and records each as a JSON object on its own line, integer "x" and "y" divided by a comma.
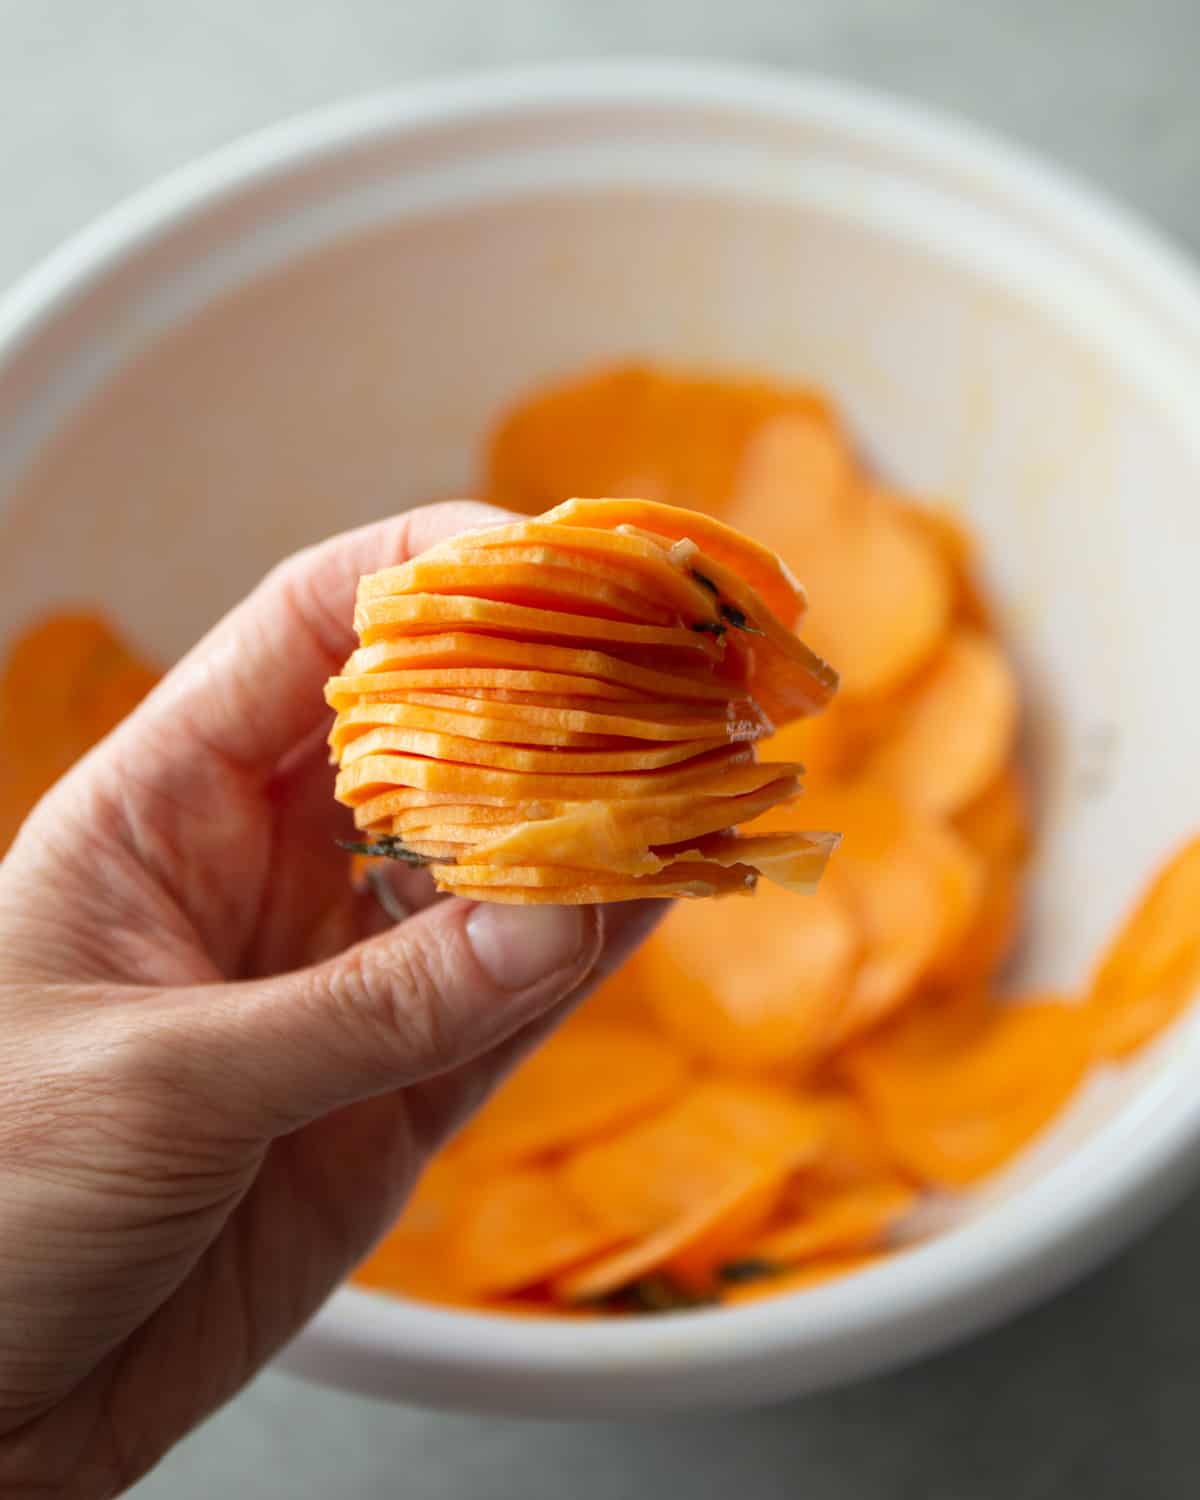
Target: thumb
{"x": 430, "y": 994}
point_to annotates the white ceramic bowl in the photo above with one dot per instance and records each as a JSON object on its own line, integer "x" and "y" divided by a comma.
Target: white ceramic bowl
{"x": 313, "y": 328}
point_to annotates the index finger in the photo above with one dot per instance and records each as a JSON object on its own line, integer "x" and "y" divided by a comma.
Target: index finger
{"x": 251, "y": 689}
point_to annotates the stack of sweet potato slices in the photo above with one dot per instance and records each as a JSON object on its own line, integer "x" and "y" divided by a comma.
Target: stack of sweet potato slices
{"x": 566, "y": 709}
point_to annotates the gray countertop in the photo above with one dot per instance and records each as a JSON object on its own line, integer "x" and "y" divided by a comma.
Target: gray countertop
{"x": 1093, "y": 1396}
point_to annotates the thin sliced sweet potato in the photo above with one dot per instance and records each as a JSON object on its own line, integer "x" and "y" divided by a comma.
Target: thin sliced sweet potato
{"x": 619, "y": 835}
{"x": 694, "y": 882}
{"x": 374, "y": 774}
{"x": 880, "y": 594}
{"x": 529, "y": 585}
{"x": 956, "y": 1093}
{"x": 690, "y": 1155}
{"x": 687, "y": 1248}
{"x": 755, "y": 566}
{"x": 755, "y": 986}
{"x": 431, "y": 614}
{"x": 737, "y": 721}
{"x": 997, "y": 823}
{"x": 455, "y": 749}
{"x": 855, "y": 1217}
{"x": 341, "y": 692}
{"x": 515, "y": 1227}
{"x": 634, "y": 430}
{"x": 576, "y": 558}
{"x": 478, "y": 649}
{"x": 957, "y": 730}
{"x": 584, "y": 1082}
{"x": 1151, "y": 969}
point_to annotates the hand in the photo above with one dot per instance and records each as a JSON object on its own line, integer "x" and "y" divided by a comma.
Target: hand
{"x": 222, "y": 1066}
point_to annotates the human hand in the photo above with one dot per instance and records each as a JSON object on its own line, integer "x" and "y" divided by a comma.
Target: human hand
{"x": 223, "y": 1067}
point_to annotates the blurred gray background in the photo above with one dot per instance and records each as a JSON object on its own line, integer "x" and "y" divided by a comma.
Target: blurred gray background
{"x": 1096, "y": 1395}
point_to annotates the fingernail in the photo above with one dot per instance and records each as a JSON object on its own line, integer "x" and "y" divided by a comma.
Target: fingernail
{"x": 519, "y": 945}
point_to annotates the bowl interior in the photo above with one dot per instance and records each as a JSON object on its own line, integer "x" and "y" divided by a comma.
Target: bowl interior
{"x": 320, "y": 347}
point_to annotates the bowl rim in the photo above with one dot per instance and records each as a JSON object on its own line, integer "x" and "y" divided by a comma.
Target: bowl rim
{"x": 1019, "y": 1250}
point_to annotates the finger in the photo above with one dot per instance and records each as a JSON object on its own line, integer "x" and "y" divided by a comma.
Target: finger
{"x": 252, "y": 687}
{"x": 412, "y": 1004}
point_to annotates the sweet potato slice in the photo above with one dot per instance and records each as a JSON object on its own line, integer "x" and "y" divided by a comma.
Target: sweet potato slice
{"x": 957, "y": 729}
{"x": 688, "y": 1248}
{"x": 758, "y": 568}
{"x": 619, "y": 835}
{"x": 416, "y": 614}
{"x": 691, "y": 1154}
{"x": 455, "y": 749}
{"x": 956, "y": 1093}
{"x": 634, "y": 429}
{"x": 856, "y": 1217}
{"x": 880, "y": 594}
{"x": 581, "y": 563}
{"x": 497, "y": 682}
{"x": 584, "y": 1082}
{"x": 1151, "y": 969}
{"x": 467, "y": 649}
{"x": 910, "y": 884}
{"x": 738, "y": 721}
{"x": 757, "y": 985}
{"x": 529, "y": 585}
{"x": 67, "y": 681}
{"x": 516, "y": 1226}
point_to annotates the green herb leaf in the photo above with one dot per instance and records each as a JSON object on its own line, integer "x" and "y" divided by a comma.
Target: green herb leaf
{"x": 385, "y": 846}
{"x": 736, "y": 1272}
{"x": 738, "y": 620}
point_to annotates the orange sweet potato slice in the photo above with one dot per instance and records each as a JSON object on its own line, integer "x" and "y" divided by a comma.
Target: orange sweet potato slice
{"x": 374, "y": 774}
{"x": 910, "y": 884}
{"x": 691, "y": 1154}
{"x": 579, "y": 557}
{"x": 634, "y": 429}
{"x": 455, "y": 749}
{"x": 957, "y": 1093}
{"x": 997, "y": 822}
{"x": 757, "y": 985}
{"x": 557, "y": 878}
{"x": 951, "y": 538}
{"x": 529, "y": 585}
{"x": 517, "y": 1226}
{"x": 341, "y": 692}
{"x": 731, "y": 773}
{"x": 956, "y": 732}
{"x": 584, "y": 1082}
{"x": 474, "y": 724}
{"x": 619, "y": 835}
{"x": 736, "y": 721}
{"x": 759, "y": 570}
{"x": 1151, "y": 969}
{"x": 880, "y": 594}
{"x": 416, "y": 614}
{"x": 856, "y": 1217}
{"x": 67, "y": 681}
{"x": 688, "y": 1248}
{"x": 691, "y": 881}
{"x": 465, "y": 649}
